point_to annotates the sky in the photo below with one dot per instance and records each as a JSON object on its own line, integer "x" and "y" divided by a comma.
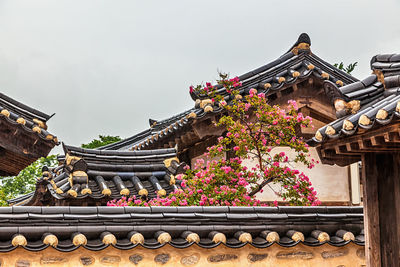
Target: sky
{"x": 106, "y": 67}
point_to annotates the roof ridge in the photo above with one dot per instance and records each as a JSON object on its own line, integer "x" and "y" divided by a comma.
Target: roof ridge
{"x": 24, "y": 109}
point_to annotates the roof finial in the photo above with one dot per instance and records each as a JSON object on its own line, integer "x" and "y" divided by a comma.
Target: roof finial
{"x": 303, "y": 38}
{"x": 152, "y": 122}
{"x": 303, "y": 44}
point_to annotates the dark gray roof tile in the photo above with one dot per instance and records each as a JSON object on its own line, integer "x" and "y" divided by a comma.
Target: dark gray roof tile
{"x": 395, "y": 57}
{"x": 351, "y": 87}
{"x": 229, "y": 223}
{"x": 384, "y": 57}
{"x": 369, "y": 80}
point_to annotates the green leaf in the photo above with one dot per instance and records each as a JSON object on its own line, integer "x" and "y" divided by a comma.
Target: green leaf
{"x": 102, "y": 141}
{"x": 347, "y": 69}
{"x": 25, "y": 181}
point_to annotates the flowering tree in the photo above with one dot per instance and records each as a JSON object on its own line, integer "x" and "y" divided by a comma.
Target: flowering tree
{"x": 253, "y": 129}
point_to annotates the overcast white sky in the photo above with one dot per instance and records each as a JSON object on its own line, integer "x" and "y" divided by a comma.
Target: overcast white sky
{"x": 105, "y": 67}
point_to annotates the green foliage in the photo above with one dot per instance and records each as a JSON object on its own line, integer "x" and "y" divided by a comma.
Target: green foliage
{"x": 24, "y": 182}
{"x": 102, "y": 141}
{"x": 347, "y": 69}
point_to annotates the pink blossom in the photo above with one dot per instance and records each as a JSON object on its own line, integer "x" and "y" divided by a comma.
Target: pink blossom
{"x": 253, "y": 91}
{"x": 293, "y": 104}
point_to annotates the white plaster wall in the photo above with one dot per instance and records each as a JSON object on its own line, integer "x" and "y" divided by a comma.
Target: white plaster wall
{"x": 330, "y": 182}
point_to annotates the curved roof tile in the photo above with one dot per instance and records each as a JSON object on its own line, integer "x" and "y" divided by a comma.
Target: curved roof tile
{"x": 286, "y": 226}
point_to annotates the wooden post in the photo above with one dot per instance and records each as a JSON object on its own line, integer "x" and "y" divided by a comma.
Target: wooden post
{"x": 381, "y": 188}
{"x": 371, "y": 208}
{"x": 389, "y": 204}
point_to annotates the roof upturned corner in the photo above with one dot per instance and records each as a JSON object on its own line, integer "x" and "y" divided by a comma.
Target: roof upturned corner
{"x": 23, "y": 136}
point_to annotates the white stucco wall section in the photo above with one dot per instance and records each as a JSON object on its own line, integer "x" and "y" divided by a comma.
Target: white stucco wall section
{"x": 330, "y": 182}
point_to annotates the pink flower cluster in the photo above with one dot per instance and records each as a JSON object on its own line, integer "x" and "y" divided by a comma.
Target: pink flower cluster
{"x": 209, "y": 89}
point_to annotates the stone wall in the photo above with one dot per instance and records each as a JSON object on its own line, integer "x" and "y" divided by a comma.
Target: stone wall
{"x": 300, "y": 256}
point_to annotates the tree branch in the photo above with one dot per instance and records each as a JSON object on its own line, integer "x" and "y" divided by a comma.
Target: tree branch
{"x": 261, "y": 186}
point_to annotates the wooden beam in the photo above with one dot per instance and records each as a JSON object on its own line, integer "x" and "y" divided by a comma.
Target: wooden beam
{"x": 17, "y": 140}
{"x": 374, "y": 141}
{"x": 329, "y": 156}
{"x": 185, "y": 139}
{"x": 171, "y": 143}
{"x": 178, "y": 142}
{"x": 378, "y": 140}
{"x": 361, "y": 144}
{"x": 348, "y": 146}
{"x": 203, "y": 128}
{"x": 376, "y": 144}
{"x": 352, "y": 146}
{"x": 392, "y": 137}
{"x": 322, "y": 153}
{"x": 386, "y": 137}
{"x": 193, "y": 136}
{"x": 382, "y": 149}
{"x": 365, "y": 136}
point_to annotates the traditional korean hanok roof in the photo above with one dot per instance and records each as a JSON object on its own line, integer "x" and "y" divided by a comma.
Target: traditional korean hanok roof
{"x": 385, "y": 69}
{"x": 379, "y": 96}
{"x": 23, "y": 137}
{"x": 157, "y": 130}
{"x": 378, "y": 105}
{"x": 290, "y": 68}
{"x": 276, "y": 79}
{"x": 95, "y": 228}
{"x": 97, "y": 176}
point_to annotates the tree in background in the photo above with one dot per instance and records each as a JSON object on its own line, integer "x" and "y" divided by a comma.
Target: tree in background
{"x": 25, "y": 181}
{"x": 254, "y": 129}
{"x": 349, "y": 69}
{"x": 102, "y": 141}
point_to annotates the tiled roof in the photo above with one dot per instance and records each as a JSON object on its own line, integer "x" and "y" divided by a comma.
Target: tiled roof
{"x": 379, "y": 104}
{"x": 95, "y": 228}
{"x": 157, "y": 130}
{"x": 104, "y": 175}
{"x": 23, "y": 136}
{"x": 388, "y": 64}
{"x": 29, "y": 119}
{"x": 295, "y": 66}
